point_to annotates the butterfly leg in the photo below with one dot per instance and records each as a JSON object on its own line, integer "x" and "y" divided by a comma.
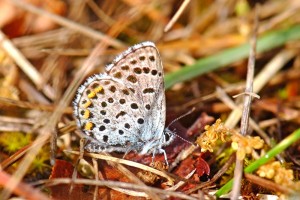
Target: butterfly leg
{"x": 165, "y": 155}
{"x": 153, "y": 155}
{"x": 126, "y": 152}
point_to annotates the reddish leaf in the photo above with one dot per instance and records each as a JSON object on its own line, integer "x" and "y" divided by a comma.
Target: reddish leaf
{"x": 16, "y": 22}
{"x": 64, "y": 169}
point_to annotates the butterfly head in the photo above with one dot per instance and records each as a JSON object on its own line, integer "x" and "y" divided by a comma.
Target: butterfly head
{"x": 155, "y": 145}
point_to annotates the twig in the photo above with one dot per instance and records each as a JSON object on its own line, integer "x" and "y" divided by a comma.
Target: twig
{"x": 177, "y": 15}
{"x": 261, "y": 80}
{"x": 231, "y": 104}
{"x": 238, "y": 171}
{"x": 181, "y": 183}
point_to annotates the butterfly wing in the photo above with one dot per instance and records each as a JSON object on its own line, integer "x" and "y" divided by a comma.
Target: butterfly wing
{"x": 125, "y": 108}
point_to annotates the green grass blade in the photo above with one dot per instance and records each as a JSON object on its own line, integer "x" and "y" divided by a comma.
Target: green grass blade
{"x": 226, "y": 57}
{"x": 269, "y": 155}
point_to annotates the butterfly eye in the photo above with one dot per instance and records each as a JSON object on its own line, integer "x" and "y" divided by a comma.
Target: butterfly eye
{"x": 167, "y": 137}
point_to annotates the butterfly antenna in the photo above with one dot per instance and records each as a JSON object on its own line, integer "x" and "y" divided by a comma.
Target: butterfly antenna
{"x": 189, "y": 112}
{"x": 182, "y": 116}
{"x": 183, "y": 139}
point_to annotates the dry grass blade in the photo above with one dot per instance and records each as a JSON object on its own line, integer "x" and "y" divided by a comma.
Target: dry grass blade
{"x": 177, "y": 15}
{"x": 114, "y": 184}
{"x": 29, "y": 105}
{"x": 64, "y": 22}
{"x": 268, "y": 184}
{"x": 126, "y": 162}
{"x": 22, "y": 189}
{"x": 24, "y": 64}
{"x": 262, "y": 79}
{"x": 49, "y": 129}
